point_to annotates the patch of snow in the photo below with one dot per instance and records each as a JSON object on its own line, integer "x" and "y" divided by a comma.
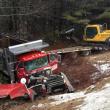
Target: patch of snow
{"x": 103, "y": 67}
{"x": 33, "y": 106}
{"x": 65, "y": 97}
{"x": 40, "y": 105}
{"x": 58, "y": 99}
{"x": 44, "y": 106}
{"x": 103, "y": 70}
{"x": 97, "y": 100}
{"x": 103, "y": 61}
{"x": 92, "y": 86}
{"x": 95, "y": 76}
{"x": 107, "y": 85}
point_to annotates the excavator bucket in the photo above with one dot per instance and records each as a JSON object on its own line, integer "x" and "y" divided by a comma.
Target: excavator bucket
{"x": 14, "y": 90}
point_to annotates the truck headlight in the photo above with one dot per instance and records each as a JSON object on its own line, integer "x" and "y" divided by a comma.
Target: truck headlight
{"x": 62, "y": 76}
{"x": 23, "y": 80}
{"x": 44, "y": 80}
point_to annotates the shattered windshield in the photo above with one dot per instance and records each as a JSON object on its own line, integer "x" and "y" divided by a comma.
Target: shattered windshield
{"x": 36, "y": 63}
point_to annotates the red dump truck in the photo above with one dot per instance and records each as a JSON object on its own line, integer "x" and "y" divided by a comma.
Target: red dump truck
{"x": 30, "y": 71}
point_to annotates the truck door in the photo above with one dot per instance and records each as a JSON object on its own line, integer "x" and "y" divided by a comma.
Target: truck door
{"x": 53, "y": 59}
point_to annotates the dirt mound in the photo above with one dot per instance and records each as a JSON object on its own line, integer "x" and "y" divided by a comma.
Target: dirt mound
{"x": 78, "y": 70}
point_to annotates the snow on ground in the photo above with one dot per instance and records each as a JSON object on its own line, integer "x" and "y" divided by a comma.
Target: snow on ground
{"x": 103, "y": 68}
{"x": 107, "y": 85}
{"x": 65, "y": 97}
{"x": 103, "y": 61}
{"x": 99, "y": 100}
{"x": 59, "y": 99}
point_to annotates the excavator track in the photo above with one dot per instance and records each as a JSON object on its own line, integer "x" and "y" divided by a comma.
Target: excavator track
{"x": 96, "y": 46}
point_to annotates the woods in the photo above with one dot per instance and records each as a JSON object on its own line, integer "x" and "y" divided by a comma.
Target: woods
{"x": 35, "y": 19}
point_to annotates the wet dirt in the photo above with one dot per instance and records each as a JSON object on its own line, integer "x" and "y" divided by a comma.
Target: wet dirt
{"x": 78, "y": 70}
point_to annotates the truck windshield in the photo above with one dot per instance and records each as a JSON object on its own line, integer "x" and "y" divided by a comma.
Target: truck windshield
{"x": 36, "y": 63}
{"x": 91, "y": 32}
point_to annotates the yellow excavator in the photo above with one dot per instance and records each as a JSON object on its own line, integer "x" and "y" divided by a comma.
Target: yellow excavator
{"x": 97, "y": 34}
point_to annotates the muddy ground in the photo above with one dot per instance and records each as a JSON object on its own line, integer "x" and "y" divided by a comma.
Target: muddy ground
{"x": 78, "y": 69}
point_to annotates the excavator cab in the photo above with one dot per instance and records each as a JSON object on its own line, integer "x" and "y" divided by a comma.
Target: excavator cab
{"x": 96, "y": 33}
{"x": 90, "y": 32}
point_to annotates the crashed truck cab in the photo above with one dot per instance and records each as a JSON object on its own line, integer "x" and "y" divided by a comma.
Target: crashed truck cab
{"x": 25, "y": 59}
{"x": 38, "y": 68}
{"x": 35, "y": 62}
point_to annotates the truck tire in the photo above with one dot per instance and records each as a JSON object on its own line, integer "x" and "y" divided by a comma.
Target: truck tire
{"x": 33, "y": 97}
{"x": 27, "y": 97}
{"x": 49, "y": 90}
{"x": 86, "y": 53}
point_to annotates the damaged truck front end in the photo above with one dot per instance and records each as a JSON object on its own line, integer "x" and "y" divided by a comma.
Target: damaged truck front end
{"x": 30, "y": 71}
{"x": 14, "y": 90}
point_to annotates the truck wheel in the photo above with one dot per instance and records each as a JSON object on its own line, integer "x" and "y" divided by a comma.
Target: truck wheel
{"x": 27, "y": 97}
{"x": 65, "y": 89}
{"x": 33, "y": 97}
{"x": 86, "y": 53}
{"x": 49, "y": 90}
{"x": 44, "y": 92}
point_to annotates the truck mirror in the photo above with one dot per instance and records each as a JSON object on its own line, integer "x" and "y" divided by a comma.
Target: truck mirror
{"x": 23, "y": 80}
